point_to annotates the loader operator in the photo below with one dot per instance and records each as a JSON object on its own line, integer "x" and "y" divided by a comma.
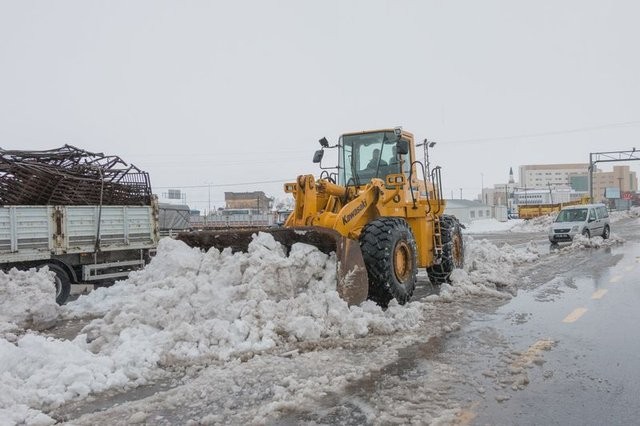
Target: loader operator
{"x": 376, "y": 160}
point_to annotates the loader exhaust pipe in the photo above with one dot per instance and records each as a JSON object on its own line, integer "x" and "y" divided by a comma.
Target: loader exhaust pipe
{"x": 352, "y": 285}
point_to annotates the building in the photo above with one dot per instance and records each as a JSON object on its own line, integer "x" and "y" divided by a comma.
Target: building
{"x": 554, "y": 195}
{"x": 621, "y": 178}
{"x": 256, "y": 200}
{"x": 550, "y": 177}
{"x": 545, "y": 175}
{"x": 501, "y": 194}
{"x": 467, "y": 211}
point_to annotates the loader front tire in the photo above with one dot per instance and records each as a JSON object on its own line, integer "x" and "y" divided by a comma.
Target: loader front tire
{"x": 389, "y": 253}
{"x": 452, "y": 251}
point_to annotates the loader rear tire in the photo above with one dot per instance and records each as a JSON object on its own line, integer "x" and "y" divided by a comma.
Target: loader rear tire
{"x": 452, "y": 251}
{"x": 389, "y": 253}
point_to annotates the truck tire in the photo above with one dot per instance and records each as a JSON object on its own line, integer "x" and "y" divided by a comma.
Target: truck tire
{"x": 389, "y": 253}
{"x": 62, "y": 282}
{"x": 452, "y": 251}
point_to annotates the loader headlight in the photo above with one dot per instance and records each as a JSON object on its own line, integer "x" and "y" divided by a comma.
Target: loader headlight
{"x": 397, "y": 131}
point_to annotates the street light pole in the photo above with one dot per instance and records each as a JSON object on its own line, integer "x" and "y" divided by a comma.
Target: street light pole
{"x": 206, "y": 217}
{"x": 428, "y": 145}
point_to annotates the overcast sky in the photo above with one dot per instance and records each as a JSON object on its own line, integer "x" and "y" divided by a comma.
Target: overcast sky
{"x": 204, "y": 93}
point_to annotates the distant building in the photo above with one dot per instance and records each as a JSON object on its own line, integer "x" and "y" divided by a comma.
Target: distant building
{"x": 248, "y": 200}
{"x": 621, "y": 177}
{"x": 467, "y": 210}
{"x": 544, "y": 175}
{"x": 556, "y": 195}
{"x": 501, "y": 194}
{"x": 549, "y": 177}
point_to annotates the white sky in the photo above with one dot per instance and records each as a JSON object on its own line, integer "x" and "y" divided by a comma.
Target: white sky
{"x": 199, "y": 92}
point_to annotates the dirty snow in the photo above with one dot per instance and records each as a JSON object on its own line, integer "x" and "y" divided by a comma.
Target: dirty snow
{"x": 187, "y": 305}
{"x": 190, "y": 307}
{"x": 490, "y": 226}
{"x": 488, "y": 270}
{"x": 27, "y": 300}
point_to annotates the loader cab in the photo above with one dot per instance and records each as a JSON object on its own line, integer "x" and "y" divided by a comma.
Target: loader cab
{"x": 364, "y": 156}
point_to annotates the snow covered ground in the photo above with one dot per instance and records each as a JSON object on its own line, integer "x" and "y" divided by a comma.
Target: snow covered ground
{"x": 189, "y": 307}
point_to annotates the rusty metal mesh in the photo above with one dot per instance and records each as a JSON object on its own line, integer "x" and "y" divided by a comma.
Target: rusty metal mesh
{"x": 70, "y": 176}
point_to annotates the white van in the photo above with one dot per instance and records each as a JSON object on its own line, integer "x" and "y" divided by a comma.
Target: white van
{"x": 586, "y": 219}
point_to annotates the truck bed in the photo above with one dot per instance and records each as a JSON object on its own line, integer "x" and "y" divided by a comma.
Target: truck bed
{"x": 30, "y": 233}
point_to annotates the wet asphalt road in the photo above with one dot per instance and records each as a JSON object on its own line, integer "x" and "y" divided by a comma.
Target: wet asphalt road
{"x": 566, "y": 350}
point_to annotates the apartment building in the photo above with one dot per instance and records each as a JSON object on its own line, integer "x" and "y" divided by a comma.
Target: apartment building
{"x": 543, "y": 175}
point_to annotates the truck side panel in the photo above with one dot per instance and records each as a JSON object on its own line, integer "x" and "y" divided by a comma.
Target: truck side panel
{"x": 29, "y": 233}
{"x": 25, "y": 233}
{"x": 120, "y": 227}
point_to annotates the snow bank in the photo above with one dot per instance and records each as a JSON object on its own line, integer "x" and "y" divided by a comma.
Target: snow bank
{"x": 615, "y": 216}
{"x": 27, "y": 300}
{"x": 536, "y": 224}
{"x": 218, "y": 304}
{"x": 487, "y": 226}
{"x": 582, "y": 242}
{"x": 184, "y": 306}
{"x": 488, "y": 270}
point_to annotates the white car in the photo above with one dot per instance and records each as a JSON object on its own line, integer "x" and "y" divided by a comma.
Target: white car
{"x": 586, "y": 219}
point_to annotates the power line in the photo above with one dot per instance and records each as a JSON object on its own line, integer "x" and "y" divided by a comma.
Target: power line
{"x": 223, "y": 184}
{"x": 549, "y": 133}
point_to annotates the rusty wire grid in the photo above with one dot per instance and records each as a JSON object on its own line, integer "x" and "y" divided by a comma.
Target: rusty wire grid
{"x": 70, "y": 176}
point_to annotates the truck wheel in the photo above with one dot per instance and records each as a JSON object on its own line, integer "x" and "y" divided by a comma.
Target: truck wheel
{"x": 389, "y": 253}
{"x": 62, "y": 282}
{"x": 606, "y": 233}
{"x": 452, "y": 251}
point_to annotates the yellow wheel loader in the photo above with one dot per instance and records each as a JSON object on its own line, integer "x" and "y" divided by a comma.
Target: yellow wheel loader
{"x": 380, "y": 210}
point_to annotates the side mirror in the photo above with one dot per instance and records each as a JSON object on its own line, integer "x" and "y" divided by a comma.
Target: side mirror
{"x": 317, "y": 157}
{"x": 402, "y": 147}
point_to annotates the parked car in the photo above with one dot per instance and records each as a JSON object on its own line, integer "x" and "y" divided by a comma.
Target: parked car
{"x": 585, "y": 219}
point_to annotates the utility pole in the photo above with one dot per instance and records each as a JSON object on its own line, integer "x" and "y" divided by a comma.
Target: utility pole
{"x": 206, "y": 217}
{"x": 550, "y": 193}
{"x": 620, "y": 189}
{"x": 461, "y": 193}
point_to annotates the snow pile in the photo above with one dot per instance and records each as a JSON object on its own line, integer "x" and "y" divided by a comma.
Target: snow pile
{"x": 188, "y": 304}
{"x": 582, "y": 242}
{"x": 537, "y": 224}
{"x": 27, "y": 300}
{"x": 184, "y": 306}
{"x": 486, "y": 226}
{"x": 488, "y": 270}
{"x": 615, "y": 216}
{"x": 38, "y": 372}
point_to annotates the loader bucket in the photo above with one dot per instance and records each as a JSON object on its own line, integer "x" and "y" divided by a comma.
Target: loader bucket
{"x": 352, "y": 285}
